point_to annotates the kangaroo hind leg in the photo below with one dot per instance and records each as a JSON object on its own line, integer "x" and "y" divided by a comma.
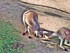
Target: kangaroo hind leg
{"x": 61, "y": 44}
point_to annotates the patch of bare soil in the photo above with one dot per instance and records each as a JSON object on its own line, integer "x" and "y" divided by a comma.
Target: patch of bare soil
{"x": 11, "y": 11}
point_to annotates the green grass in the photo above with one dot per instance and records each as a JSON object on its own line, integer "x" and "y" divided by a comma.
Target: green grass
{"x": 8, "y": 36}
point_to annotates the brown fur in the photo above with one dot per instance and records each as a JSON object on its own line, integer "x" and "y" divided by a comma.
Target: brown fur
{"x": 62, "y": 32}
{"x": 30, "y": 20}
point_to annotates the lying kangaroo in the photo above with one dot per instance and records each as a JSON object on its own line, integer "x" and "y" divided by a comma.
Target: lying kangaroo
{"x": 30, "y": 20}
{"x": 62, "y": 33}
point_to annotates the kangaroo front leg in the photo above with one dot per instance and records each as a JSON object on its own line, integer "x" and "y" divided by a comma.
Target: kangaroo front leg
{"x": 25, "y": 25}
{"x": 29, "y": 31}
{"x": 66, "y": 42}
{"x": 26, "y": 30}
{"x": 61, "y": 43}
{"x": 37, "y": 34}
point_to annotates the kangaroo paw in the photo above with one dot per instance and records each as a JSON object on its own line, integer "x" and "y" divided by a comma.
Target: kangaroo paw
{"x": 30, "y": 37}
{"x": 65, "y": 49}
{"x": 24, "y": 33}
{"x": 37, "y": 36}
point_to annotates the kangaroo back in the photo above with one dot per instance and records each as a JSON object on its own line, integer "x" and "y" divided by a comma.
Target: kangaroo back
{"x": 30, "y": 17}
{"x": 64, "y": 32}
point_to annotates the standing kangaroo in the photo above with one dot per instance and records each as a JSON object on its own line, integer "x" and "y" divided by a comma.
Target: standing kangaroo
{"x": 62, "y": 33}
{"x": 30, "y": 20}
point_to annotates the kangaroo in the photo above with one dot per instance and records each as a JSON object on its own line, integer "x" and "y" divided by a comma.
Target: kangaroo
{"x": 62, "y": 33}
{"x": 30, "y": 20}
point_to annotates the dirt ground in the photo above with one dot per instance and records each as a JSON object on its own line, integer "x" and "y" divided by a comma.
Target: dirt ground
{"x": 10, "y": 10}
